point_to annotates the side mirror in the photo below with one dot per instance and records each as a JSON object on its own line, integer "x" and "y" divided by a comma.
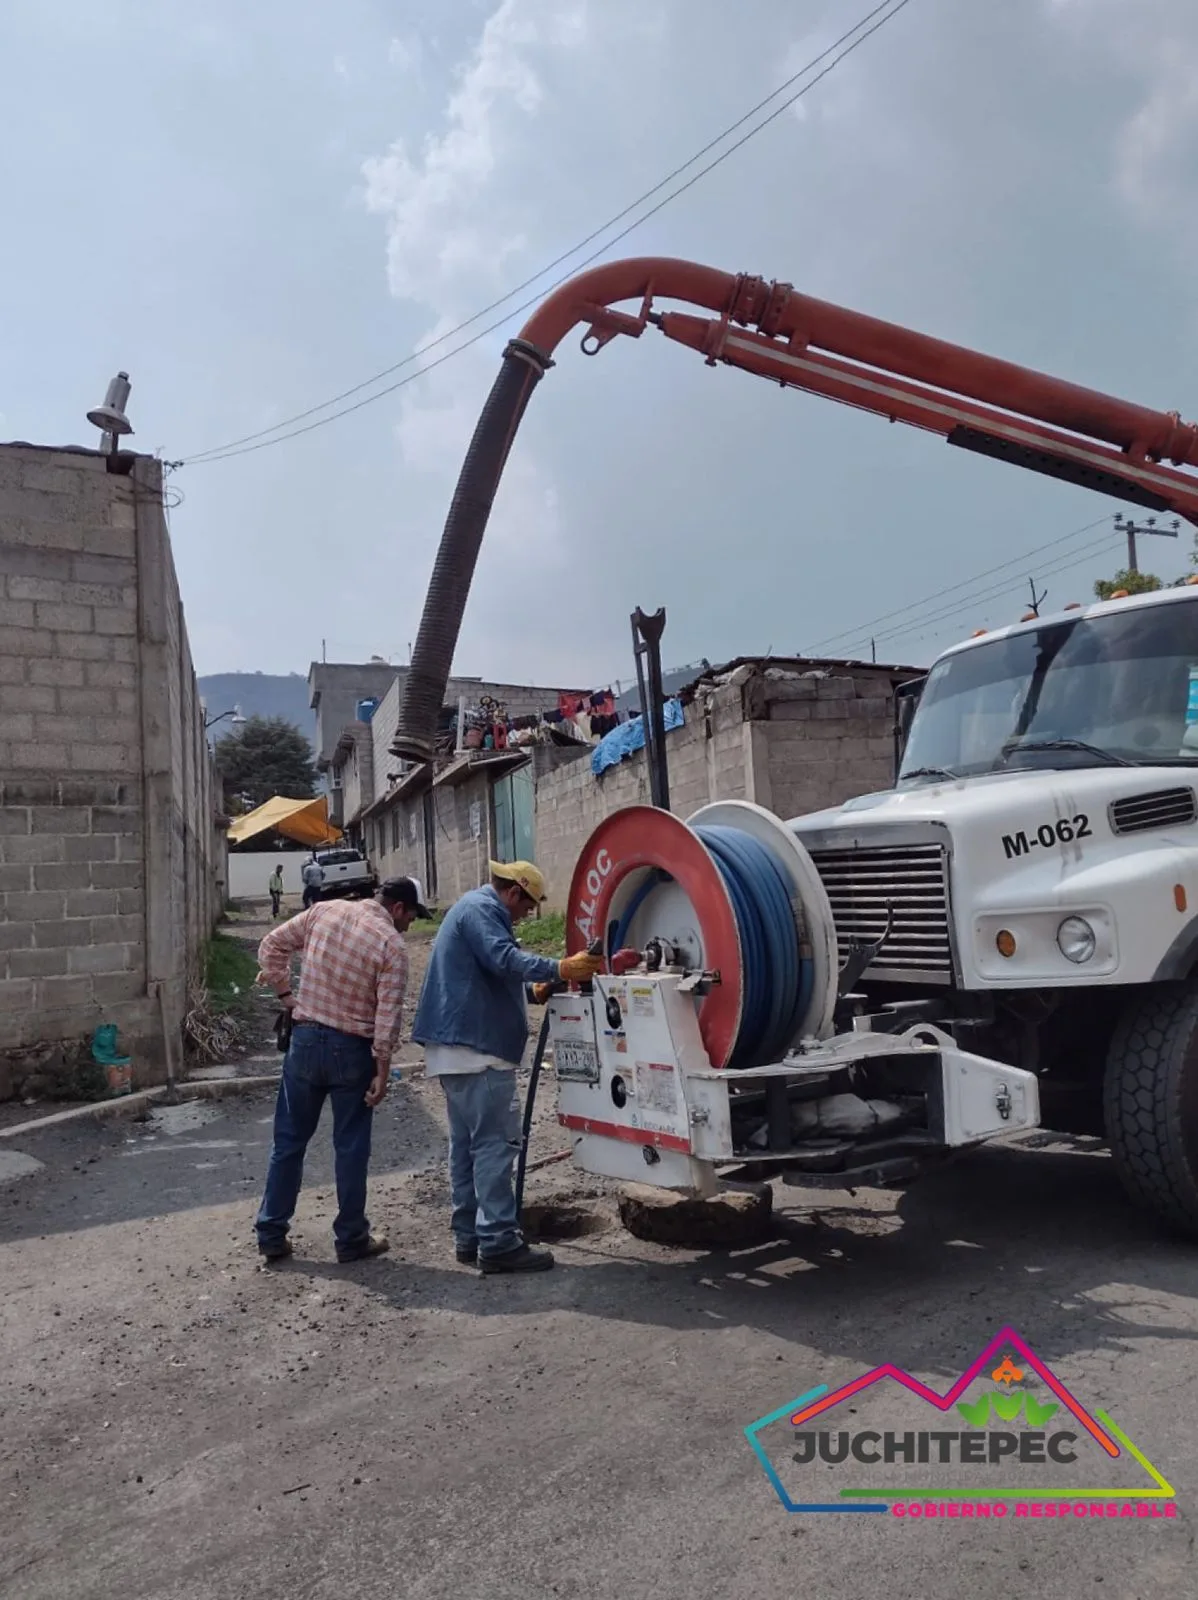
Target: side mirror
{"x": 906, "y": 703}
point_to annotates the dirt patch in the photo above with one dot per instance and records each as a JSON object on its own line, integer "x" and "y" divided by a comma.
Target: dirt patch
{"x": 558, "y": 1219}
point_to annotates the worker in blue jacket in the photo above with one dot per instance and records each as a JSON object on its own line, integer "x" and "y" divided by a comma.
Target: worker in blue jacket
{"x": 472, "y": 1020}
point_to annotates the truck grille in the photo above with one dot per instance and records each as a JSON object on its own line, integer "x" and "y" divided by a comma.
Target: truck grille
{"x": 1164, "y": 808}
{"x": 862, "y": 884}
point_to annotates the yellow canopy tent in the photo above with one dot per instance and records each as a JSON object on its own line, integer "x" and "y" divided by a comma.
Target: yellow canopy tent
{"x": 305, "y": 821}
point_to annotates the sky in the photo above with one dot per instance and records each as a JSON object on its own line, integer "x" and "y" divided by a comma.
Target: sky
{"x": 254, "y": 208}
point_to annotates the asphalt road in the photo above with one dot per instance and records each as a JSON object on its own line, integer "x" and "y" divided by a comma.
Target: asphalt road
{"x": 178, "y": 1422}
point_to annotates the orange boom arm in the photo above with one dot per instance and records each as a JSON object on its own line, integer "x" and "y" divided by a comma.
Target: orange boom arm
{"x": 974, "y": 401}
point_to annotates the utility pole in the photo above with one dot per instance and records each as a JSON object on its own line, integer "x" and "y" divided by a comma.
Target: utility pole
{"x": 1125, "y": 526}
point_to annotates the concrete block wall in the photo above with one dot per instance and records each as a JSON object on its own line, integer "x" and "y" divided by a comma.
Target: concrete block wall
{"x": 793, "y": 741}
{"x": 109, "y": 854}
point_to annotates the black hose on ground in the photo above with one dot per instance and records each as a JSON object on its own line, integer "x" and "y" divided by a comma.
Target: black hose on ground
{"x": 449, "y": 587}
{"x": 530, "y": 1100}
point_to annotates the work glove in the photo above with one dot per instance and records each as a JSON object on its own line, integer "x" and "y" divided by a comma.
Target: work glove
{"x": 579, "y": 968}
{"x": 540, "y": 993}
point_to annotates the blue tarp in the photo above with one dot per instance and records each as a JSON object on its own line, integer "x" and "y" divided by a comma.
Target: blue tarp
{"x": 630, "y": 736}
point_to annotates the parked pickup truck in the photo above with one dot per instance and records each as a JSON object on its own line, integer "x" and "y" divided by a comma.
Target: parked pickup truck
{"x": 347, "y": 873}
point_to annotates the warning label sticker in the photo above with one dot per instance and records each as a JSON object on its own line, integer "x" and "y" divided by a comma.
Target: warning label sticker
{"x": 656, "y": 1087}
{"x": 641, "y": 1000}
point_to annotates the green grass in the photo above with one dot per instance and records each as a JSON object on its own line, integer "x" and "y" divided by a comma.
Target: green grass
{"x": 546, "y": 935}
{"x": 229, "y": 972}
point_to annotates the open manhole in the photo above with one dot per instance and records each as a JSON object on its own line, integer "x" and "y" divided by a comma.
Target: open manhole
{"x": 554, "y": 1220}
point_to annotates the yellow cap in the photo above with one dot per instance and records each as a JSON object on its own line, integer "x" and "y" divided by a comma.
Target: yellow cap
{"x": 523, "y": 873}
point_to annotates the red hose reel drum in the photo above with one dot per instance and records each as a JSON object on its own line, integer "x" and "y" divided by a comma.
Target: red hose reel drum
{"x": 695, "y": 912}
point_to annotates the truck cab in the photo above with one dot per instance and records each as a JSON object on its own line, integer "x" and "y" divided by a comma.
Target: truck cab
{"x": 1030, "y": 884}
{"x": 348, "y": 873}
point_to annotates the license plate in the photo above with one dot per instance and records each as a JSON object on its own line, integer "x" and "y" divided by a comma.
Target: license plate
{"x": 576, "y": 1058}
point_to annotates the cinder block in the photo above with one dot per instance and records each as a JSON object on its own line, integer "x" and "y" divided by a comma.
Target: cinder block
{"x": 111, "y": 675}
{"x": 16, "y": 613}
{"x": 90, "y": 847}
{"x": 61, "y": 933}
{"x": 16, "y": 725}
{"x": 40, "y": 475}
{"x": 99, "y": 594}
{"x": 25, "y": 642}
{"x": 30, "y": 850}
{"x": 34, "y": 906}
{"x": 108, "y": 570}
{"x": 16, "y": 994}
{"x": 56, "y": 875}
{"x": 43, "y": 522}
{"x": 63, "y": 618}
{"x": 122, "y": 649}
{"x": 83, "y": 646}
{"x": 114, "y": 541}
{"x": 12, "y": 670}
{"x": 116, "y": 819}
{"x": 84, "y": 702}
{"x": 68, "y": 728}
{"x": 27, "y": 697}
{"x": 37, "y": 757}
{"x": 69, "y": 673}
{"x": 36, "y": 963}
{"x": 116, "y": 875}
{"x": 54, "y": 994}
{"x": 130, "y": 847}
{"x": 62, "y": 819}
{"x": 15, "y": 878}
{"x": 98, "y": 958}
{"x": 120, "y": 987}
{"x": 13, "y": 820}
{"x": 22, "y": 586}
{"x": 89, "y": 899}
{"x": 100, "y": 758}
{"x": 23, "y": 556}
{"x": 16, "y": 935}
{"x": 118, "y": 930}
{"x": 113, "y": 619}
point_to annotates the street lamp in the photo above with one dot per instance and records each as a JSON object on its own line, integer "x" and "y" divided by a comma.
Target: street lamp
{"x": 238, "y": 719}
{"x": 1122, "y": 525}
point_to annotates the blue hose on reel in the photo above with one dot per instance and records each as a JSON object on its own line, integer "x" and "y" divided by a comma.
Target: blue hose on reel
{"x": 778, "y": 977}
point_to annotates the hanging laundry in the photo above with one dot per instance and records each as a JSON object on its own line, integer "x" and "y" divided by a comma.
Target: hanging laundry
{"x": 602, "y": 704}
{"x": 569, "y": 704}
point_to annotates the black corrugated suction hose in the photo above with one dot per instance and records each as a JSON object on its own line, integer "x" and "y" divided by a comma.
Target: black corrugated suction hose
{"x": 449, "y": 588}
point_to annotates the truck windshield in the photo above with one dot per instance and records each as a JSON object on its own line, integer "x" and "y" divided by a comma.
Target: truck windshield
{"x": 1117, "y": 687}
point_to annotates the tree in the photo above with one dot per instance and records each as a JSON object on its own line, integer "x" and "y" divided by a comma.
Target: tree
{"x": 1133, "y": 582}
{"x": 265, "y": 757}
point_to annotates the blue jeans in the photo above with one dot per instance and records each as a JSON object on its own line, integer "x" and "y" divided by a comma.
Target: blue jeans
{"x": 484, "y": 1141}
{"x": 321, "y": 1064}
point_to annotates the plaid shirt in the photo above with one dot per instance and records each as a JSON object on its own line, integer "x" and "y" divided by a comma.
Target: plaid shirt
{"x": 354, "y": 970}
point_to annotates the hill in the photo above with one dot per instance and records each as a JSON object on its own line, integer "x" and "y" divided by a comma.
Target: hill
{"x": 261, "y": 694}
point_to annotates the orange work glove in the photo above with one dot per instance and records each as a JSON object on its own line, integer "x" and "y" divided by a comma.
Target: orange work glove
{"x": 577, "y": 969}
{"x": 541, "y": 993}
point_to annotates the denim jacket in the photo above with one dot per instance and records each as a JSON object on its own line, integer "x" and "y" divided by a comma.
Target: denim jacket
{"x": 474, "y": 989}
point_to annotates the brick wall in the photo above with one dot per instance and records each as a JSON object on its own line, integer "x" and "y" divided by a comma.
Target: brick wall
{"x": 111, "y": 867}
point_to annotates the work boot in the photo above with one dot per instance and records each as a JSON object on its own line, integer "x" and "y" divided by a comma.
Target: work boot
{"x": 276, "y": 1250}
{"x": 522, "y": 1259}
{"x": 467, "y": 1254}
{"x": 374, "y": 1244}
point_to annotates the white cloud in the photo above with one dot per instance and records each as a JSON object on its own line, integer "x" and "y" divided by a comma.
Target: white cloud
{"x": 1154, "y": 42}
{"x": 406, "y": 55}
{"x": 451, "y": 248}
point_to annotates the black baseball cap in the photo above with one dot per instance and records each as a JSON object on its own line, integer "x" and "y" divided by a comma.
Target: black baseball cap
{"x": 402, "y": 891}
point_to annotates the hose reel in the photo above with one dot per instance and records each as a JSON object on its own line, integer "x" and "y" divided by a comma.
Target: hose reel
{"x": 730, "y": 895}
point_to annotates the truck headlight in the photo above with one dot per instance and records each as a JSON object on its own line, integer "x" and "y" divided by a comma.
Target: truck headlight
{"x": 1076, "y": 940}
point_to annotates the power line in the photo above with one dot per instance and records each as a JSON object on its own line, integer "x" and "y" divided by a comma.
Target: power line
{"x": 246, "y": 444}
{"x": 967, "y": 602}
{"x": 866, "y": 629}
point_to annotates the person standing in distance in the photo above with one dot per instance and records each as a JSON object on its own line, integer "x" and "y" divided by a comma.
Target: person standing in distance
{"x": 472, "y": 1020}
{"x": 313, "y": 878}
{"x": 345, "y": 1025}
{"x": 275, "y": 888}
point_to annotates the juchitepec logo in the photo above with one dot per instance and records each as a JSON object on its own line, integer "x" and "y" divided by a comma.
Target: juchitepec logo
{"x": 1006, "y": 1440}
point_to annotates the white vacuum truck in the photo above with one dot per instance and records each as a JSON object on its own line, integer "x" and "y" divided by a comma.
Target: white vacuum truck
{"x": 1007, "y": 938}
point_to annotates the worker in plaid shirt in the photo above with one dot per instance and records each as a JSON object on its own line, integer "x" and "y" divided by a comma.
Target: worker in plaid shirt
{"x": 345, "y": 1026}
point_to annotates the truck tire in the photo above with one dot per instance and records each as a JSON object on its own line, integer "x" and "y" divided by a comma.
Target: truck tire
{"x": 1150, "y": 1103}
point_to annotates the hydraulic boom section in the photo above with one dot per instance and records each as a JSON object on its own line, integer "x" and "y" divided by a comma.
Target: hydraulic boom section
{"x": 977, "y": 402}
